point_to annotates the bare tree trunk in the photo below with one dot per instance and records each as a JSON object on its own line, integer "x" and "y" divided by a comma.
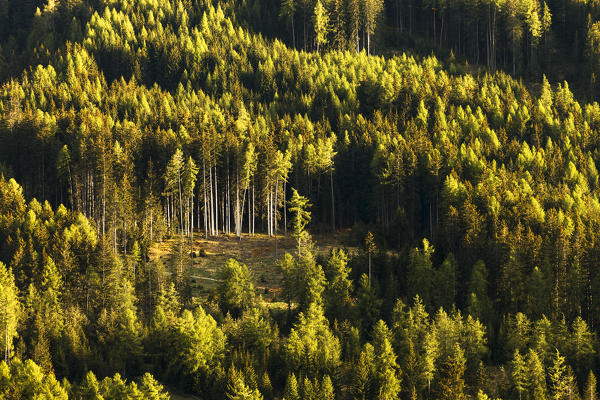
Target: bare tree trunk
{"x": 275, "y": 213}
{"x": 216, "y": 202}
{"x": 205, "y": 198}
{"x": 212, "y": 211}
{"x": 284, "y": 208}
{"x": 332, "y": 200}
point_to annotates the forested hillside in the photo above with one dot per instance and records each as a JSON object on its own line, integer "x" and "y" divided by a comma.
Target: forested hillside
{"x": 470, "y": 201}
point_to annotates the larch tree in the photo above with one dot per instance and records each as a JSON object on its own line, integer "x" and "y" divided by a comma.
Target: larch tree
{"x": 290, "y": 391}
{"x": 298, "y": 207}
{"x": 312, "y": 348}
{"x": 173, "y": 183}
{"x": 321, "y": 24}
{"x": 451, "y": 383}
{"x": 338, "y": 291}
{"x": 188, "y": 178}
{"x": 387, "y": 370}
{"x": 518, "y": 373}
{"x": 288, "y": 12}
{"x": 371, "y": 248}
{"x": 590, "y": 390}
{"x": 558, "y": 378}
{"x": 63, "y": 169}
{"x": 237, "y": 389}
{"x": 430, "y": 355}
{"x": 10, "y": 310}
{"x": 372, "y": 10}
{"x": 236, "y": 288}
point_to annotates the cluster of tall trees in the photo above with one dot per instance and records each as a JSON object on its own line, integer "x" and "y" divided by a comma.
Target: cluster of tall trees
{"x": 70, "y": 306}
{"x": 336, "y": 24}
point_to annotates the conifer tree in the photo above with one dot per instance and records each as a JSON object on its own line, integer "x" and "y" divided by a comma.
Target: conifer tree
{"x": 337, "y": 292}
{"x": 288, "y": 11}
{"x": 10, "y": 311}
{"x": 321, "y": 23}
{"x": 238, "y": 390}
{"x": 364, "y": 373}
{"x": 430, "y": 354}
{"x": 236, "y": 288}
{"x": 590, "y": 391}
{"x": 451, "y": 382}
{"x": 311, "y": 347}
{"x": 372, "y": 11}
{"x": 173, "y": 182}
{"x": 558, "y": 378}
{"x": 518, "y": 373}
{"x": 371, "y": 248}
{"x": 291, "y": 388}
{"x": 327, "y": 390}
{"x": 298, "y": 207}
{"x": 387, "y": 370}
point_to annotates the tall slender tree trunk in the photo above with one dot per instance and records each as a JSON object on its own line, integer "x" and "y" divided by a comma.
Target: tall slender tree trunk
{"x": 293, "y": 33}
{"x": 284, "y": 208}
{"x": 216, "y": 203}
{"x": 275, "y": 213}
{"x": 332, "y": 200}
{"x": 205, "y": 198}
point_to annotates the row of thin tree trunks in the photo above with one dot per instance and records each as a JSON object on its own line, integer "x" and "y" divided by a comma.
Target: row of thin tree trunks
{"x": 215, "y": 207}
{"x": 477, "y": 39}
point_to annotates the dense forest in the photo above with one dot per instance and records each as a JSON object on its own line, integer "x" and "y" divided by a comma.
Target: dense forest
{"x": 467, "y": 186}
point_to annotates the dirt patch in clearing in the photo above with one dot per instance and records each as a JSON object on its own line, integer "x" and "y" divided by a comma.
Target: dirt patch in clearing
{"x": 257, "y": 252}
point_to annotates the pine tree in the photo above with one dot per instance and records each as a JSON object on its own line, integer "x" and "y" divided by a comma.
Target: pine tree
{"x": 581, "y": 347}
{"x": 266, "y": 388}
{"x": 291, "y": 279}
{"x": 63, "y": 170}
{"x": 367, "y": 303}
{"x": 321, "y": 23}
{"x": 444, "y": 293}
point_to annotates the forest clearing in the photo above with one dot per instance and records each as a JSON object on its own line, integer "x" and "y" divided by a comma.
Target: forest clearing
{"x": 258, "y": 252}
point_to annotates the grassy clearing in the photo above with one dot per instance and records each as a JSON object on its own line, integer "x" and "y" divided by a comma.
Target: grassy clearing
{"x": 257, "y": 252}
